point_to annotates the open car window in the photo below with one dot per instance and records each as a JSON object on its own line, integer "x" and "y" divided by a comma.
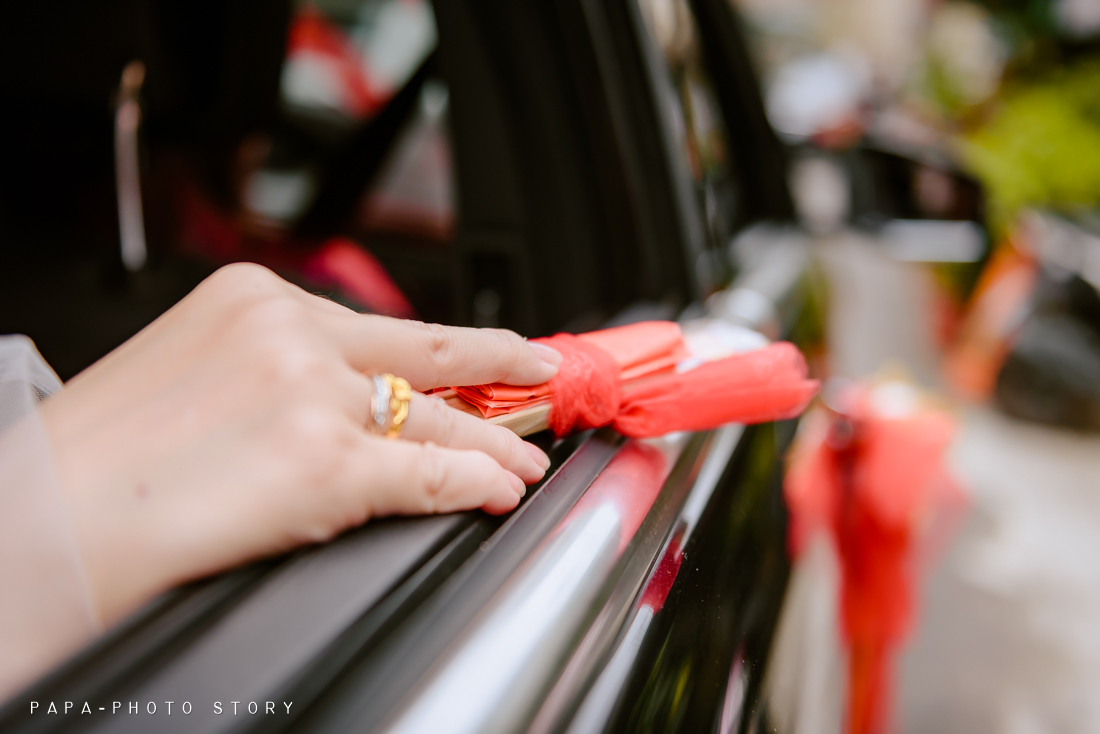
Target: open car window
{"x": 364, "y": 149}
{"x": 414, "y": 193}
{"x": 347, "y": 62}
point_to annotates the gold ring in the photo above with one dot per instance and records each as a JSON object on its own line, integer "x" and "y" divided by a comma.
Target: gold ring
{"x": 400, "y": 395}
{"x": 389, "y": 405}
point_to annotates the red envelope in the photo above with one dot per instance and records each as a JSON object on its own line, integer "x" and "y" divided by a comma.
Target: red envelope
{"x": 627, "y": 377}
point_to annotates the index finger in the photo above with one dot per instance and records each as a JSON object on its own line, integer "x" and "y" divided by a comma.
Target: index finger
{"x": 431, "y": 355}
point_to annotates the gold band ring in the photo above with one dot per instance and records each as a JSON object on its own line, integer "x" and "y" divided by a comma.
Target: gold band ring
{"x": 389, "y": 405}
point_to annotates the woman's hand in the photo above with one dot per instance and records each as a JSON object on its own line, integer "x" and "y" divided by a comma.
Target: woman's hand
{"x": 233, "y": 427}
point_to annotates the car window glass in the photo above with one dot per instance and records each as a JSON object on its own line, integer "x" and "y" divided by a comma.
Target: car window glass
{"x": 349, "y": 57}
{"x": 346, "y": 60}
{"x": 415, "y": 193}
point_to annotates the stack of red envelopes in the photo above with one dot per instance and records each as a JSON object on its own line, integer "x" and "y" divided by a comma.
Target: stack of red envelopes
{"x": 644, "y": 380}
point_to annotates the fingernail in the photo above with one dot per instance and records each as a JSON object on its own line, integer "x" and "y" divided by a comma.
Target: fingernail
{"x": 517, "y": 484}
{"x": 538, "y": 455}
{"x": 549, "y": 355}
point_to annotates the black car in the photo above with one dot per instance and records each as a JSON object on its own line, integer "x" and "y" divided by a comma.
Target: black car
{"x": 603, "y": 157}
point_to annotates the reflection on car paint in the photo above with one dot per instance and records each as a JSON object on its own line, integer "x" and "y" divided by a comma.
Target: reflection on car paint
{"x": 514, "y": 645}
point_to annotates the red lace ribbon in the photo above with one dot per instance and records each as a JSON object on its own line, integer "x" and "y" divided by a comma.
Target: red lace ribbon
{"x": 756, "y": 387}
{"x": 586, "y": 392}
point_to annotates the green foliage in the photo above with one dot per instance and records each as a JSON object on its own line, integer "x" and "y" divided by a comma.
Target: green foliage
{"x": 1042, "y": 146}
{"x": 941, "y": 89}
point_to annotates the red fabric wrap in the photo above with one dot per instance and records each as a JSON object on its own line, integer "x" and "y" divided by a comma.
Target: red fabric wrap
{"x": 586, "y": 392}
{"x": 756, "y": 387}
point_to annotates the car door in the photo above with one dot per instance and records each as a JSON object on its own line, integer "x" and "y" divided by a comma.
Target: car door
{"x": 636, "y": 587}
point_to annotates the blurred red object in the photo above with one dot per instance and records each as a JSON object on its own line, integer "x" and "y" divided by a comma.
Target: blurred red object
{"x": 872, "y": 476}
{"x": 841, "y": 135}
{"x": 984, "y": 336}
{"x": 319, "y": 44}
{"x": 344, "y": 263}
{"x": 337, "y": 261}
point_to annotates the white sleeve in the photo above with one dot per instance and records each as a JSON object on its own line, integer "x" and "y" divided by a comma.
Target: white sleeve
{"x": 46, "y": 607}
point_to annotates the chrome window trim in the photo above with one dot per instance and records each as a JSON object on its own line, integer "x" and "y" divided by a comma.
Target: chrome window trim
{"x": 376, "y": 681}
{"x": 594, "y": 679}
{"x": 557, "y": 620}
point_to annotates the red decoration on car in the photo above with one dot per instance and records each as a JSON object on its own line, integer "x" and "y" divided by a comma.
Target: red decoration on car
{"x": 641, "y": 379}
{"x": 873, "y": 478}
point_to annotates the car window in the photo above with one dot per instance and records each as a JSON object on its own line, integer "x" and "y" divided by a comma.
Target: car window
{"x": 346, "y": 62}
{"x": 415, "y": 193}
{"x": 349, "y": 57}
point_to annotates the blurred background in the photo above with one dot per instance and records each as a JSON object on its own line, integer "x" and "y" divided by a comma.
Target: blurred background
{"x": 943, "y": 164}
{"x": 944, "y": 153}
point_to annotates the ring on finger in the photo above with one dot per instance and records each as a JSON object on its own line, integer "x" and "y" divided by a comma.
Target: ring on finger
{"x": 389, "y": 405}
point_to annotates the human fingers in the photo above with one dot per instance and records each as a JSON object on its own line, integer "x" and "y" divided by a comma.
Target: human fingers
{"x": 430, "y": 419}
{"x": 413, "y": 478}
{"x": 431, "y": 355}
{"x": 427, "y": 355}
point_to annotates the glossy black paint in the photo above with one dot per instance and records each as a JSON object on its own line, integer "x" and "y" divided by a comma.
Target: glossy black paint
{"x": 722, "y": 608}
{"x": 658, "y": 537}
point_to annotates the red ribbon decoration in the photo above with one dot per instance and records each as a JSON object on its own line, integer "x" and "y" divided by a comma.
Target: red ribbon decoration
{"x": 756, "y": 387}
{"x": 586, "y": 392}
{"x": 874, "y": 483}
